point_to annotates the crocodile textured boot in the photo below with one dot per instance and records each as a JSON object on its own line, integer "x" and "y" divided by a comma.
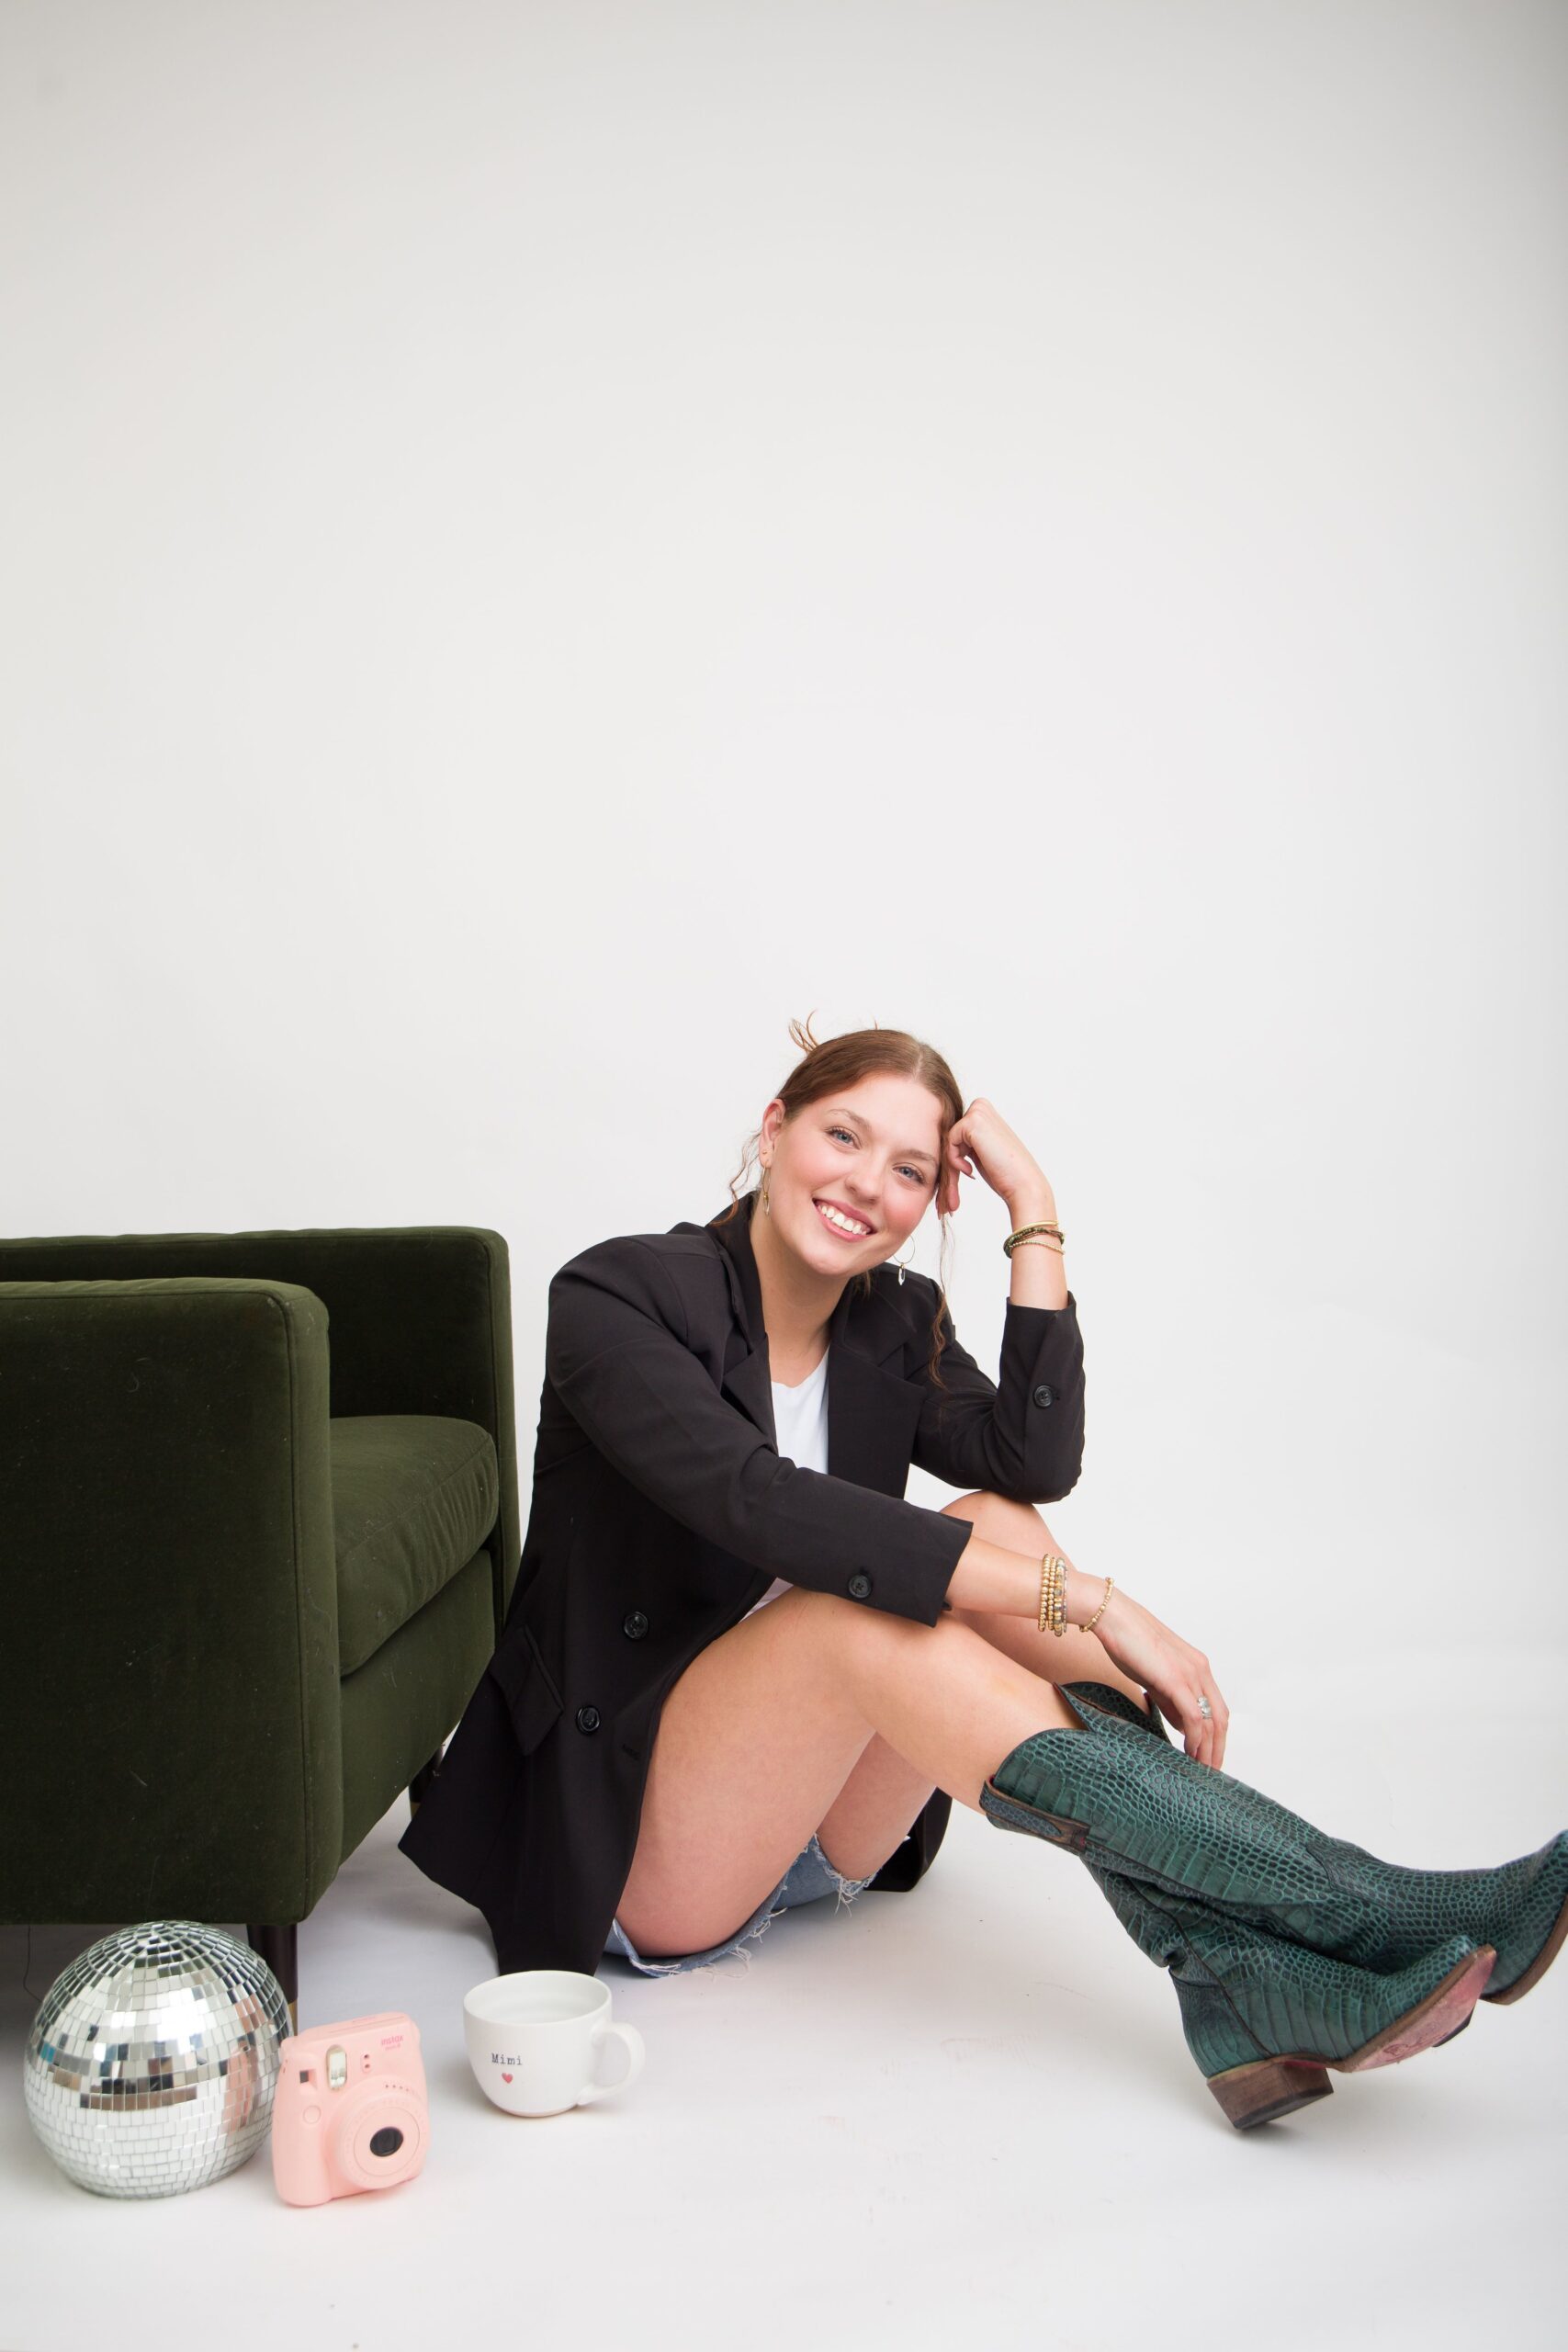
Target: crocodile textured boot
{"x": 1265, "y": 2018}
{"x": 1347, "y": 1902}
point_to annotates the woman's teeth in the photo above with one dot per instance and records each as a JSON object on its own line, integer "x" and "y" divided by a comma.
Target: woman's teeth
{"x": 832, "y": 1218}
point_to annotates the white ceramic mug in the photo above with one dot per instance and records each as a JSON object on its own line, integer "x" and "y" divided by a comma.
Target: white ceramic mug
{"x": 540, "y": 2040}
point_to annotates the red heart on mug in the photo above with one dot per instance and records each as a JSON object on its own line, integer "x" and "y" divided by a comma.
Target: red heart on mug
{"x": 506, "y": 2078}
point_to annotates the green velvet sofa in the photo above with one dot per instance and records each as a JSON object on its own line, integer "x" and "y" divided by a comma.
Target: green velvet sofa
{"x": 258, "y": 1533}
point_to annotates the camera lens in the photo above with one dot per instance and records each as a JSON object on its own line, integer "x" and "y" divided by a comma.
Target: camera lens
{"x": 386, "y": 2142}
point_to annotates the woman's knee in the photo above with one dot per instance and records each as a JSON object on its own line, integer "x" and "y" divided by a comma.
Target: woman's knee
{"x": 1000, "y": 1519}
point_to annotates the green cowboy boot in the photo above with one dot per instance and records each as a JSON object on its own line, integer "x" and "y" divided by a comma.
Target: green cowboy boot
{"x": 1265, "y": 2018}
{"x": 1352, "y": 1905}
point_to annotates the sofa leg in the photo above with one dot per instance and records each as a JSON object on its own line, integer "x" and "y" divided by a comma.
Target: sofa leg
{"x": 279, "y": 1947}
{"x": 420, "y": 1785}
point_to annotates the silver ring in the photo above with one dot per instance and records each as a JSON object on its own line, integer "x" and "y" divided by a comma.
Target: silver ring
{"x": 1205, "y": 1710}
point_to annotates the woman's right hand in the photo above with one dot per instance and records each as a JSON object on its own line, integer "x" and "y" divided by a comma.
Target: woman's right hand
{"x": 1178, "y": 1675}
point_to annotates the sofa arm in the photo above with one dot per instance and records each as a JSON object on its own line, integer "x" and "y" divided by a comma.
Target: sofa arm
{"x": 421, "y": 1319}
{"x": 168, "y": 1600}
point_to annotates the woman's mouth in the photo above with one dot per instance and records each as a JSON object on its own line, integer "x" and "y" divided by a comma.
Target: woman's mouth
{"x": 841, "y": 1230}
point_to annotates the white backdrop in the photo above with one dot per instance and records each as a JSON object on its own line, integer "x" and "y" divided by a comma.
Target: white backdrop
{"x": 541, "y": 541}
{"x": 545, "y": 540}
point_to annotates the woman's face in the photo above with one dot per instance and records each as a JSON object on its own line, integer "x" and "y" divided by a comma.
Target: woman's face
{"x": 871, "y": 1150}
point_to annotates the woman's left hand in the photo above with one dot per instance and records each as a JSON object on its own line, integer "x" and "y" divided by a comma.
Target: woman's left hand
{"x": 982, "y": 1137}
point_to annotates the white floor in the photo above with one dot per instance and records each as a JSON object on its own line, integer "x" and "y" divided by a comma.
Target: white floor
{"x": 965, "y": 2115}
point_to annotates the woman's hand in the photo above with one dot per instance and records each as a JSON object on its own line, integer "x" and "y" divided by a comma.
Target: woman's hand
{"x": 1134, "y": 1639}
{"x": 982, "y": 1137}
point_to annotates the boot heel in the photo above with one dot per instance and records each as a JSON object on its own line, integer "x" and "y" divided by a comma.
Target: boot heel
{"x": 1269, "y": 2087}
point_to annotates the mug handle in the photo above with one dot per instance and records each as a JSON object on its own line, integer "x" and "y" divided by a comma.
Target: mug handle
{"x": 609, "y": 2036}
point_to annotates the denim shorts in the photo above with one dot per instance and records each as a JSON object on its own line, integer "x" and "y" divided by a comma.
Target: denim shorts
{"x": 809, "y": 1878}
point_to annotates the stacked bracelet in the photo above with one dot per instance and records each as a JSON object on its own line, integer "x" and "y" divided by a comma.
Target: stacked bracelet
{"x": 1053, "y": 1596}
{"x": 1040, "y": 1234}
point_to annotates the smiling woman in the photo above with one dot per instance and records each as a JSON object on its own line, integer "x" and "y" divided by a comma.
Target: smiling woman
{"x": 741, "y": 1671}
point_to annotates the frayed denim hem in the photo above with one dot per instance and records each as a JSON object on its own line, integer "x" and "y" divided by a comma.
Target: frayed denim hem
{"x": 809, "y": 1877}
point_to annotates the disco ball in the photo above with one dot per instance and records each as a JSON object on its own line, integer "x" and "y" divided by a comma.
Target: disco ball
{"x": 153, "y": 2061}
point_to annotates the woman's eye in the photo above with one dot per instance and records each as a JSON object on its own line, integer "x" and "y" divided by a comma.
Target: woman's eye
{"x": 906, "y": 1169}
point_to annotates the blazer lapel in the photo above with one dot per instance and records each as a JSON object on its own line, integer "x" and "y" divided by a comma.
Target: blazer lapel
{"x": 871, "y": 1409}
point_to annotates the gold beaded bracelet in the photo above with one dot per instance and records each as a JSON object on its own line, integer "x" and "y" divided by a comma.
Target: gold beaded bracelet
{"x": 1100, "y": 1611}
{"x": 1053, "y": 1586}
{"x": 1031, "y": 1232}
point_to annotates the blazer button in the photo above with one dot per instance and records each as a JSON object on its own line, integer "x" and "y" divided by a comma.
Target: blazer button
{"x": 588, "y": 1719}
{"x": 860, "y": 1583}
{"x": 633, "y": 1624}
{"x": 1043, "y": 1395}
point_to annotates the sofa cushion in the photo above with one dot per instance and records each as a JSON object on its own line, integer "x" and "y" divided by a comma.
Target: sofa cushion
{"x": 414, "y": 1495}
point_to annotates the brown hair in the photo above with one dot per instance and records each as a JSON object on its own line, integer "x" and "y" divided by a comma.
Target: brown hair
{"x": 840, "y": 1062}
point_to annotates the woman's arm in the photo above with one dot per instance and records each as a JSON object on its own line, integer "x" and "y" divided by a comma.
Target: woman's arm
{"x": 1024, "y": 1440}
{"x": 1039, "y": 1272}
{"x": 990, "y": 1576}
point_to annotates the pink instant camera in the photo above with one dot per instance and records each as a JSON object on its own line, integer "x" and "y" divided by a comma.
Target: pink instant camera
{"x": 350, "y": 2111}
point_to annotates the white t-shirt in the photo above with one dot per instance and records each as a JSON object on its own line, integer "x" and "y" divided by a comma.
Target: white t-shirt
{"x": 800, "y": 1417}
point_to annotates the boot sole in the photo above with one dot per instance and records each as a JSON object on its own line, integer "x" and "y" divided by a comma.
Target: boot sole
{"x": 1268, "y": 2087}
{"x": 1436, "y": 2018}
{"x": 1538, "y": 1965}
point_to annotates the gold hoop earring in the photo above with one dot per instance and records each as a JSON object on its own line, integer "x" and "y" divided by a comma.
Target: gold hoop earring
{"x": 902, "y": 1263}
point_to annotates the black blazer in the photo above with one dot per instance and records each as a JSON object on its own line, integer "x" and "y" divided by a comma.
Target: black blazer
{"x": 661, "y": 1511}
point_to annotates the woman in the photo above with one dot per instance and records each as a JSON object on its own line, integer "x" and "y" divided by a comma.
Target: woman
{"x": 741, "y": 1671}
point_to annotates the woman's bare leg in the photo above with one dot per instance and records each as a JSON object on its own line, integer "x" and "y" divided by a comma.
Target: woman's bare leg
{"x": 759, "y": 1734}
{"x": 884, "y": 1792}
